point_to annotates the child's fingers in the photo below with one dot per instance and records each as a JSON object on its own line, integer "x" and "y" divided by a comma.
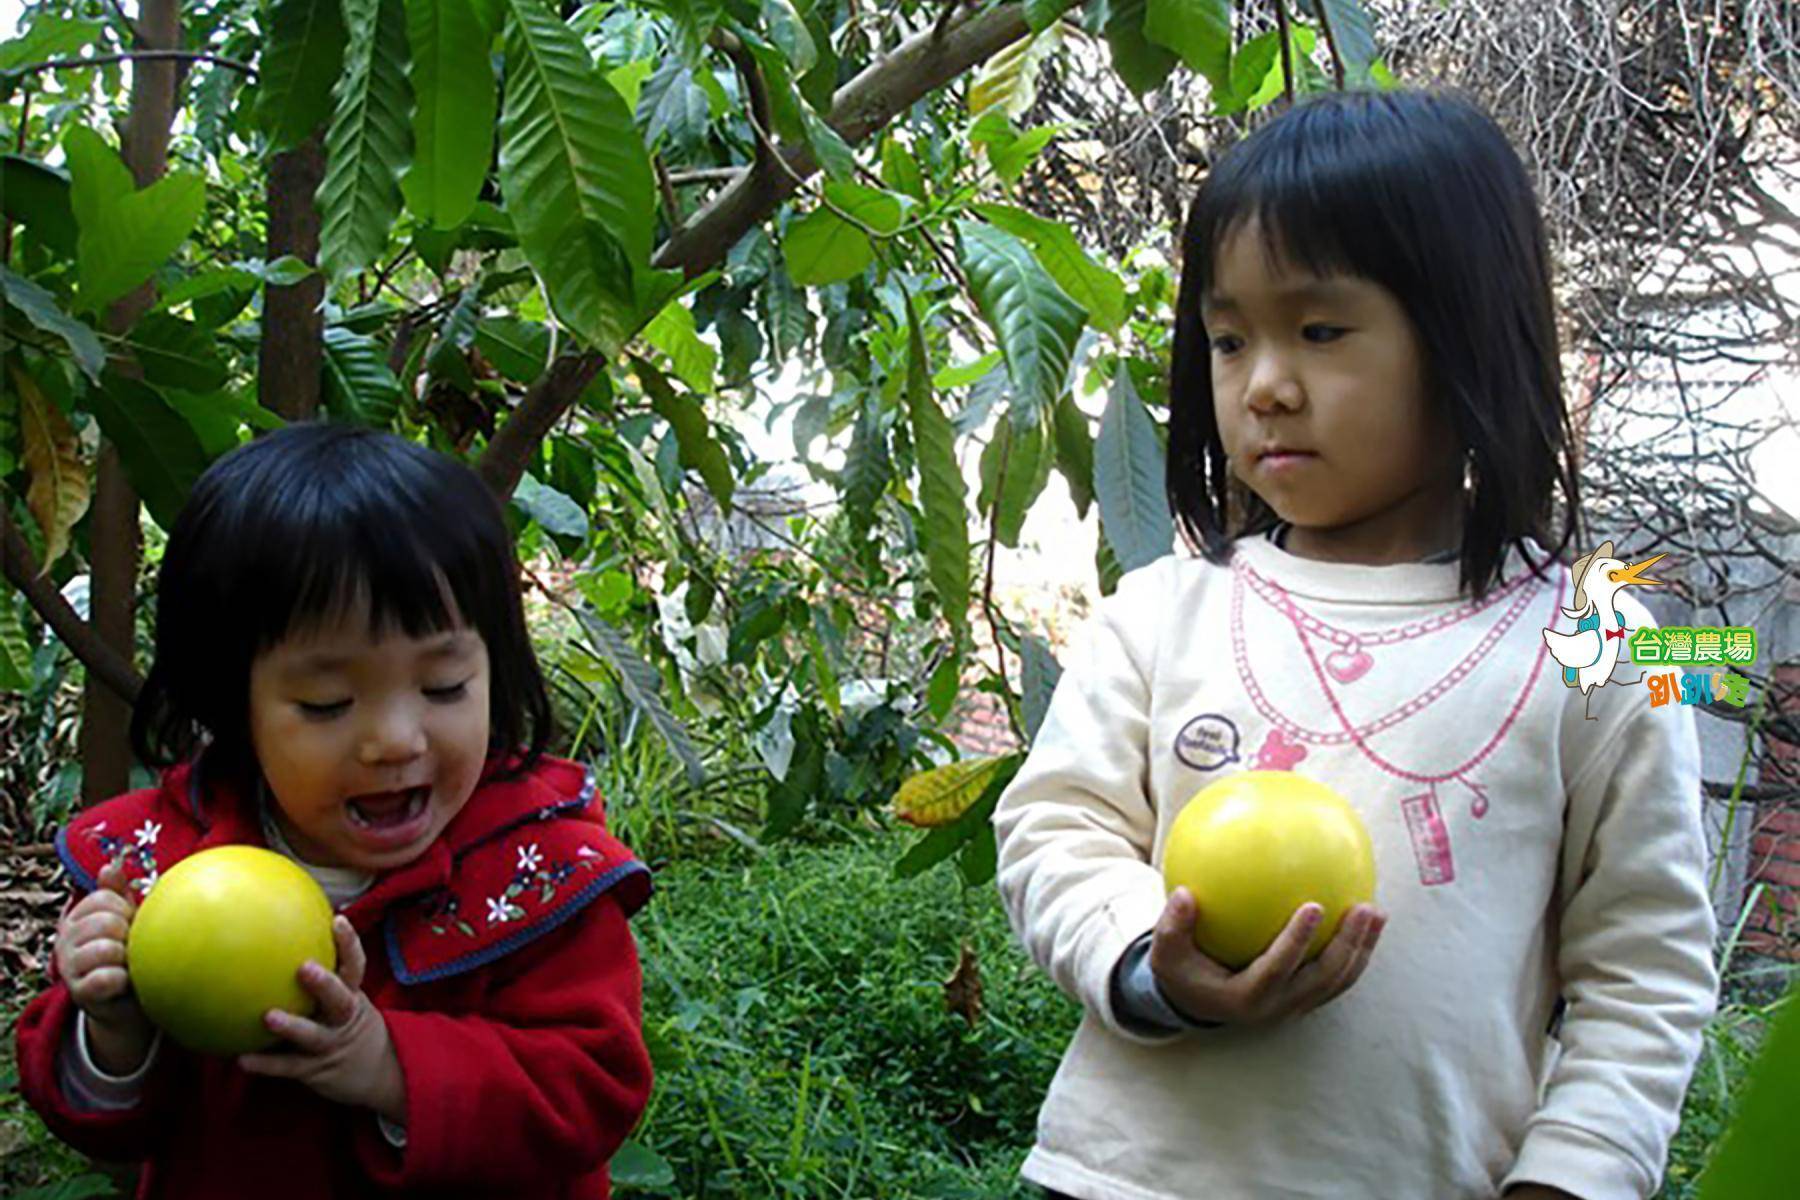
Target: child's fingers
{"x": 1359, "y": 943}
{"x": 91, "y": 956}
{"x": 100, "y": 985}
{"x": 112, "y": 881}
{"x": 1285, "y": 954}
{"x": 1173, "y": 953}
{"x": 304, "y": 1034}
{"x": 337, "y": 1000}
{"x": 352, "y": 962}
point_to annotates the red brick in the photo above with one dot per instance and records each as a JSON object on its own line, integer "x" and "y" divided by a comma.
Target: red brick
{"x": 1769, "y": 846}
{"x": 1779, "y": 873}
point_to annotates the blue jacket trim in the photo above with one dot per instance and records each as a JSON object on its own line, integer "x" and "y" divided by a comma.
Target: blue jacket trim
{"x": 480, "y": 958}
{"x": 88, "y": 882}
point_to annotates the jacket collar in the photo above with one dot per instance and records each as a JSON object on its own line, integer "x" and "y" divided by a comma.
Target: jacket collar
{"x": 227, "y": 817}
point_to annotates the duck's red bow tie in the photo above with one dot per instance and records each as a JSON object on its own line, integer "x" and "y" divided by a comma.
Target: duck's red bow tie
{"x": 1616, "y": 633}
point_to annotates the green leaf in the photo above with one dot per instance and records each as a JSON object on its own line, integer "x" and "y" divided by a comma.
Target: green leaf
{"x": 576, "y": 178}
{"x": 1014, "y": 469}
{"x": 1141, "y": 63}
{"x": 1042, "y": 14}
{"x": 700, "y": 451}
{"x": 967, "y": 373}
{"x": 125, "y": 233}
{"x": 159, "y": 450}
{"x": 518, "y": 349}
{"x": 15, "y": 647}
{"x": 879, "y": 210}
{"x": 1354, "y": 34}
{"x": 1749, "y": 1162}
{"x": 40, "y": 308}
{"x": 303, "y": 58}
{"x": 217, "y": 419}
{"x": 943, "y": 494}
{"x": 358, "y": 384}
{"x": 1129, "y": 479}
{"x": 784, "y": 309}
{"x": 635, "y": 1165}
{"x": 1035, "y": 322}
{"x": 1075, "y": 452}
{"x": 1037, "y": 683}
{"x": 38, "y": 196}
{"x": 1010, "y": 152}
{"x": 833, "y": 152}
{"x": 1254, "y": 62}
{"x": 672, "y": 106}
{"x": 1198, "y": 30}
{"x": 643, "y": 687}
{"x": 867, "y": 468}
{"x": 900, "y": 170}
{"x": 790, "y": 35}
{"x": 822, "y": 248}
{"x": 49, "y": 37}
{"x": 369, "y": 141}
{"x": 941, "y": 691}
{"x": 1090, "y": 285}
{"x": 453, "y": 123}
{"x": 805, "y": 780}
{"x": 672, "y": 331}
{"x": 177, "y": 354}
{"x": 551, "y": 509}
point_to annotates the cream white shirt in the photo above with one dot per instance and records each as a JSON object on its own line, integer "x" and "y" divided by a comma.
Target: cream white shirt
{"x": 1522, "y": 852}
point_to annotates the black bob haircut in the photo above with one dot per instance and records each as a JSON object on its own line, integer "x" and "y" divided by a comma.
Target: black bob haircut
{"x": 1419, "y": 192}
{"x": 298, "y": 526}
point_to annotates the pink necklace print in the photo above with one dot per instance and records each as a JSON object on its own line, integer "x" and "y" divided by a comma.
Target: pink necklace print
{"x": 1423, "y": 812}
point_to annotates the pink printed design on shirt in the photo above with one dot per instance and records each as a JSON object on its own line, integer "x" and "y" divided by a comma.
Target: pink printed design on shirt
{"x": 1278, "y": 753}
{"x": 1430, "y": 838}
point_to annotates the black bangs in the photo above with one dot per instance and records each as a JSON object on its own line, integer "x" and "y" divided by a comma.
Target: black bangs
{"x": 1420, "y": 193}
{"x": 303, "y": 528}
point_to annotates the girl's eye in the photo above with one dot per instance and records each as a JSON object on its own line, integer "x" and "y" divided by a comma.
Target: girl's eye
{"x": 447, "y": 695}
{"x": 323, "y": 711}
{"x": 1225, "y": 343}
{"x": 1323, "y": 333}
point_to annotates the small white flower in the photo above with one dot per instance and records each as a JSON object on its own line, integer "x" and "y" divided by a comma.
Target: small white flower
{"x": 529, "y": 858}
{"x": 586, "y": 852}
{"x": 147, "y": 833}
{"x": 146, "y": 883}
{"x": 502, "y": 909}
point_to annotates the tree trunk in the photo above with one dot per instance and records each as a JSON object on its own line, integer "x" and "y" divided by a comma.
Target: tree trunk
{"x": 113, "y": 529}
{"x": 292, "y": 355}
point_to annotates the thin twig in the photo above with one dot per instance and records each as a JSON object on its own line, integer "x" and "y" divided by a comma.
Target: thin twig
{"x": 100, "y": 60}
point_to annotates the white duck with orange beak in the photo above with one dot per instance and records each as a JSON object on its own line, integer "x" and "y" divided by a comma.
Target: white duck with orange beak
{"x": 1589, "y": 655}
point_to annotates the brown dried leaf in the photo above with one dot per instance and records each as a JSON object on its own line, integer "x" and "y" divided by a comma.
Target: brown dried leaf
{"x": 58, "y": 494}
{"x": 962, "y": 991}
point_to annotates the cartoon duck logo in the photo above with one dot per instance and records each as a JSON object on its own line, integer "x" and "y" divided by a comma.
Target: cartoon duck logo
{"x": 1589, "y": 655}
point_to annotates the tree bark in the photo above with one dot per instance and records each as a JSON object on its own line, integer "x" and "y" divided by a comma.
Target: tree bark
{"x": 917, "y": 67}
{"x": 113, "y": 543}
{"x": 291, "y": 357}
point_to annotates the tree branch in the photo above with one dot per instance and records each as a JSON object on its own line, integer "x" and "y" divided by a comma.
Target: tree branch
{"x": 100, "y": 60}
{"x": 917, "y": 67}
{"x": 22, "y": 572}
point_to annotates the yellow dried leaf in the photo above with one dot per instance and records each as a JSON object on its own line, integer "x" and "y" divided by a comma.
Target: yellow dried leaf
{"x": 58, "y": 492}
{"x": 942, "y": 794}
{"x": 999, "y": 81}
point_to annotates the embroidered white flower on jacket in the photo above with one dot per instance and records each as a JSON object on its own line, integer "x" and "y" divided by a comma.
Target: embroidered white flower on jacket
{"x": 587, "y": 852}
{"x": 500, "y": 908}
{"x": 147, "y": 833}
{"x": 529, "y": 858}
{"x": 146, "y": 883}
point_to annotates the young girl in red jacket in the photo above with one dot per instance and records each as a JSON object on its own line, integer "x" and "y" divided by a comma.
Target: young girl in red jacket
{"x": 342, "y": 674}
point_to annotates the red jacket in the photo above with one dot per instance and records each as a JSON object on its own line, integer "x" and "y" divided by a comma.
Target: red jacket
{"x": 502, "y": 963}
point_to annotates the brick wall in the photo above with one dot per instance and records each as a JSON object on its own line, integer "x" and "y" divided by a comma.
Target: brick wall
{"x": 1774, "y": 927}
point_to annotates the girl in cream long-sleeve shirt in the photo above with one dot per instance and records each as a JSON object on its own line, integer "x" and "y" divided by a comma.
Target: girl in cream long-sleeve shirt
{"x": 1365, "y": 362}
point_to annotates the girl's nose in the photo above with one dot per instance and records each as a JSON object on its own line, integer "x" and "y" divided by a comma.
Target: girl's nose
{"x": 1272, "y": 387}
{"x": 393, "y": 736}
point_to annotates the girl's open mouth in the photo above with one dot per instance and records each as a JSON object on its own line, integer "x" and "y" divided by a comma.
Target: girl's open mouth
{"x": 385, "y": 816}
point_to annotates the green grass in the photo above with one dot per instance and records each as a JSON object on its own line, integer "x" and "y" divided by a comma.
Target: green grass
{"x": 803, "y": 1046}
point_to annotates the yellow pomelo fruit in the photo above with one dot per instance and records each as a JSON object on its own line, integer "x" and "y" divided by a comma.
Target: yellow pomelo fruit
{"x": 1254, "y": 847}
{"x": 220, "y": 940}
